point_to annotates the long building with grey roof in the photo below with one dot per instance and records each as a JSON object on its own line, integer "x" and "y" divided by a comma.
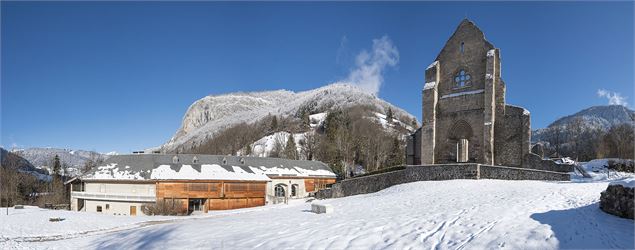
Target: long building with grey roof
{"x": 125, "y": 184}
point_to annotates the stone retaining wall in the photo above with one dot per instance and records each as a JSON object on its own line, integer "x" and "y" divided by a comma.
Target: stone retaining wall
{"x": 511, "y": 173}
{"x": 534, "y": 161}
{"x": 437, "y": 172}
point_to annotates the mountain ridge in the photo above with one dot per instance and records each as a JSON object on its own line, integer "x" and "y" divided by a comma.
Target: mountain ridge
{"x": 213, "y": 113}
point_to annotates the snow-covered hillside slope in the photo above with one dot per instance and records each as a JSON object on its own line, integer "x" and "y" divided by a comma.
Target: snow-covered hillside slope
{"x": 42, "y": 158}
{"x": 265, "y": 145}
{"x": 456, "y": 214}
{"x": 596, "y": 117}
{"x": 16, "y": 162}
{"x": 213, "y": 113}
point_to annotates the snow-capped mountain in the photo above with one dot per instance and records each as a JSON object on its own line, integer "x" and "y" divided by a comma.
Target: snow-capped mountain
{"x": 596, "y": 117}
{"x": 214, "y": 113}
{"x": 42, "y": 158}
{"x": 14, "y": 161}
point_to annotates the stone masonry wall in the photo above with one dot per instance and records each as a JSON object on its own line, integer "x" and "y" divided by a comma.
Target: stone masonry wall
{"x": 534, "y": 161}
{"x": 512, "y": 173}
{"x": 374, "y": 183}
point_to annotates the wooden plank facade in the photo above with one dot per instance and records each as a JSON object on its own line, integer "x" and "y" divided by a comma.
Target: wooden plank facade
{"x": 214, "y": 195}
{"x": 315, "y": 184}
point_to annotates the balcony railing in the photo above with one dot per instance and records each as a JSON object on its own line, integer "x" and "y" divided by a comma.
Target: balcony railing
{"x": 113, "y": 197}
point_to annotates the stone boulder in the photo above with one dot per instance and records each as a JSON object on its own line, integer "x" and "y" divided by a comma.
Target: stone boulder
{"x": 617, "y": 199}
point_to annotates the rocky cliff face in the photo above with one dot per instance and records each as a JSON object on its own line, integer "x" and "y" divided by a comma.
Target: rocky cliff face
{"x": 211, "y": 114}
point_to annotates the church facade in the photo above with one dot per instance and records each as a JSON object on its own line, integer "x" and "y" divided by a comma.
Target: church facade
{"x": 465, "y": 117}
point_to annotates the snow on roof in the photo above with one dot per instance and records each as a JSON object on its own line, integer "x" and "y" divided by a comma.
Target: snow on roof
{"x": 463, "y": 93}
{"x": 206, "y": 172}
{"x": 429, "y": 85}
{"x": 111, "y": 171}
{"x": 629, "y": 183}
{"x": 432, "y": 65}
{"x": 207, "y": 167}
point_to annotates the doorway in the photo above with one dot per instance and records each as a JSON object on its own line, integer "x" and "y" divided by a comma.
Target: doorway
{"x": 196, "y": 205}
{"x": 462, "y": 150}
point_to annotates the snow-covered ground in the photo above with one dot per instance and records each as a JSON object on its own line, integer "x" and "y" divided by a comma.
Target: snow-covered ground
{"x": 265, "y": 145}
{"x": 455, "y": 214}
{"x": 598, "y": 170}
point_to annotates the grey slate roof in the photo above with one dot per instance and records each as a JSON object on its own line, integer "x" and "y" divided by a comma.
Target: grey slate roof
{"x": 145, "y": 163}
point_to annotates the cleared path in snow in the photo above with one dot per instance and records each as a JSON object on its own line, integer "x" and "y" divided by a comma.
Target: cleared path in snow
{"x": 457, "y": 214}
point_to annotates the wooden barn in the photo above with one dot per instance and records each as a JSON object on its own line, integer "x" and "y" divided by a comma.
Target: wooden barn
{"x": 123, "y": 184}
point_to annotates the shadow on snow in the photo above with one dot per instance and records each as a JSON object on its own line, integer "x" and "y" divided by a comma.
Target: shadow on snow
{"x": 588, "y": 227}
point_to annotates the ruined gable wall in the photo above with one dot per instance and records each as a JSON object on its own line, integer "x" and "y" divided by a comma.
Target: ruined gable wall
{"x": 473, "y": 58}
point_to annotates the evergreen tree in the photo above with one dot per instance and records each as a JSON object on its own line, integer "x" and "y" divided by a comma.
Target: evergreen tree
{"x": 56, "y": 169}
{"x": 389, "y": 115}
{"x": 56, "y": 165}
{"x": 290, "y": 149}
{"x": 274, "y": 124}
{"x": 248, "y": 150}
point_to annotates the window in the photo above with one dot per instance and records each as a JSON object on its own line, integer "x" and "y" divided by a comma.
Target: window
{"x": 198, "y": 187}
{"x": 238, "y": 187}
{"x": 195, "y": 160}
{"x": 107, "y": 206}
{"x": 99, "y": 209}
{"x": 462, "y": 79}
{"x": 462, "y": 47}
{"x": 213, "y": 187}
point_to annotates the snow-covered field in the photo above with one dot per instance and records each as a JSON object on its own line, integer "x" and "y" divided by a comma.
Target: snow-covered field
{"x": 456, "y": 214}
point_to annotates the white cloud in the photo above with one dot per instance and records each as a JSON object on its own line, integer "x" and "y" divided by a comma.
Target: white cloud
{"x": 613, "y": 97}
{"x": 370, "y": 66}
{"x": 342, "y": 50}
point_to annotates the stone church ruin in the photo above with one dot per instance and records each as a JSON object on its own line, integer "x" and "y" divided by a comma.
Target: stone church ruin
{"x": 468, "y": 130}
{"x": 465, "y": 117}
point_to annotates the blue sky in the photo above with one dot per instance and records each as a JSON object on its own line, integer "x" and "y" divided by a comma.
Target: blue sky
{"x": 120, "y": 75}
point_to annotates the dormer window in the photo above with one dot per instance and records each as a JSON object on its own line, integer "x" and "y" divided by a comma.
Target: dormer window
{"x": 242, "y": 161}
{"x": 195, "y": 160}
{"x": 224, "y": 161}
{"x": 175, "y": 159}
{"x": 462, "y": 79}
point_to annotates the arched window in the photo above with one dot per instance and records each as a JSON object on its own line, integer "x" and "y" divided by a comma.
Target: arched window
{"x": 462, "y": 79}
{"x": 279, "y": 190}
{"x": 462, "y": 47}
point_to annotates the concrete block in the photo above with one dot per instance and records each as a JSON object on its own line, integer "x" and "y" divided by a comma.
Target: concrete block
{"x": 321, "y": 208}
